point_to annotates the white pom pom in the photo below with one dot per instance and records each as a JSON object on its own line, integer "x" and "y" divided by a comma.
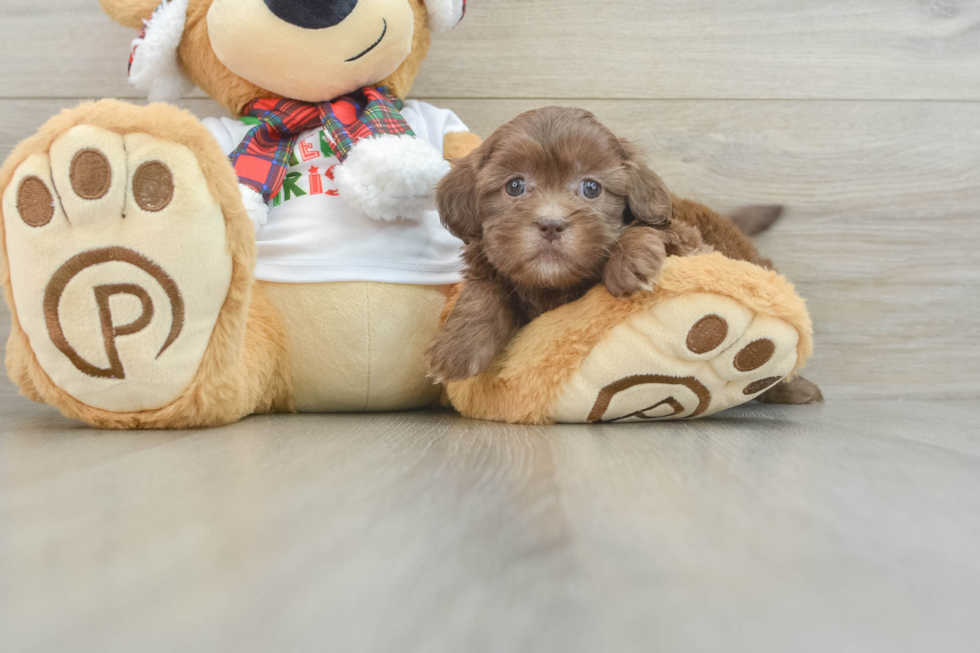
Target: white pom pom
{"x": 256, "y": 207}
{"x": 389, "y": 177}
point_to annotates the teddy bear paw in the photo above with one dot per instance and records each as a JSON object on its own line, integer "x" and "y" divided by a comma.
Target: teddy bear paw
{"x": 688, "y": 357}
{"x": 119, "y": 265}
{"x": 714, "y": 334}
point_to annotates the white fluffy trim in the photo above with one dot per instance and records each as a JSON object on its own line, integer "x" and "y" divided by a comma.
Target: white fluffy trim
{"x": 388, "y": 177}
{"x": 256, "y": 207}
{"x": 444, "y": 14}
{"x": 155, "y": 68}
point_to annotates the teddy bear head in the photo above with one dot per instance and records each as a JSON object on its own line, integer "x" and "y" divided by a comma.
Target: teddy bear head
{"x": 310, "y": 50}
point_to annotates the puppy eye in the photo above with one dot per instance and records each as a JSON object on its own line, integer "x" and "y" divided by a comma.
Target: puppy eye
{"x": 516, "y": 187}
{"x": 591, "y": 189}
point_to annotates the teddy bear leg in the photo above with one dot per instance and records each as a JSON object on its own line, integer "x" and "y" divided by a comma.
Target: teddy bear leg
{"x": 358, "y": 346}
{"x": 714, "y": 334}
{"x": 127, "y": 265}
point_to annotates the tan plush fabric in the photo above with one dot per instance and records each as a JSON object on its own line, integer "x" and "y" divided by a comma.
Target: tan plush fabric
{"x": 130, "y": 13}
{"x": 201, "y": 64}
{"x": 400, "y": 82}
{"x": 456, "y": 145}
{"x": 549, "y": 373}
{"x": 241, "y": 370}
{"x": 278, "y": 56}
{"x": 246, "y": 366}
{"x": 202, "y": 263}
{"x": 359, "y": 346}
{"x": 645, "y": 368}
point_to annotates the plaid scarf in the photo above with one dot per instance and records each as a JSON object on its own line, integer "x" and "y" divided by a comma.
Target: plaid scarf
{"x": 260, "y": 161}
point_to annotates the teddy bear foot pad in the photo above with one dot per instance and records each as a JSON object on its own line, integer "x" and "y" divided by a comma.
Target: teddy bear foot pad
{"x": 688, "y": 357}
{"x": 119, "y": 264}
{"x": 716, "y": 333}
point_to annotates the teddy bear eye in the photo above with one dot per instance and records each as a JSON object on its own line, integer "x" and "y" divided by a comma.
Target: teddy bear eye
{"x": 516, "y": 187}
{"x": 591, "y": 189}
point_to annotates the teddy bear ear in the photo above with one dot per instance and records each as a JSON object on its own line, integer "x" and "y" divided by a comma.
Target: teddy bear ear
{"x": 444, "y": 15}
{"x": 131, "y": 13}
{"x": 153, "y": 64}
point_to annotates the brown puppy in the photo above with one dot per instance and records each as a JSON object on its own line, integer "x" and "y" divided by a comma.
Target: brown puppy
{"x": 550, "y": 205}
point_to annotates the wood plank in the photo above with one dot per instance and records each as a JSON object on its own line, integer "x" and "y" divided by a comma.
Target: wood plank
{"x": 836, "y": 49}
{"x": 846, "y": 527}
{"x": 881, "y": 234}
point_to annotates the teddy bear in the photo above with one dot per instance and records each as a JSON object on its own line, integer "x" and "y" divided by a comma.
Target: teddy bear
{"x": 168, "y": 272}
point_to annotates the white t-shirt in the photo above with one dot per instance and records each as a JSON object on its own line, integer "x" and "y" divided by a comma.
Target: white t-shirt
{"x": 313, "y": 235}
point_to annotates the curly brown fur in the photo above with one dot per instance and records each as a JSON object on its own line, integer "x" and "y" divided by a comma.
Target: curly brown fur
{"x": 481, "y": 324}
{"x": 620, "y": 238}
{"x": 551, "y": 205}
{"x": 718, "y": 232}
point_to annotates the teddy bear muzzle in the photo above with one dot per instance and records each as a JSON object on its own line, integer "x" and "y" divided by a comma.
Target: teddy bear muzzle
{"x": 283, "y": 46}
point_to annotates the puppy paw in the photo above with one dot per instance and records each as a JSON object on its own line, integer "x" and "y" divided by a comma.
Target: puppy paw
{"x": 455, "y": 359}
{"x": 635, "y": 264}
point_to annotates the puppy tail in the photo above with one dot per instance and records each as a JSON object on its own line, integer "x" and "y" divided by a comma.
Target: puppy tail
{"x": 755, "y": 219}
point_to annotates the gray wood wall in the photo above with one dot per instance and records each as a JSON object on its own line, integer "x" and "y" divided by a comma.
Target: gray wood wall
{"x": 861, "y": 116}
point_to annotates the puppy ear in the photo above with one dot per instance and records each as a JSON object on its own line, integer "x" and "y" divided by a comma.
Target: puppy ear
{"x": 456, "y": 196}
{"x": 648, "y": 200}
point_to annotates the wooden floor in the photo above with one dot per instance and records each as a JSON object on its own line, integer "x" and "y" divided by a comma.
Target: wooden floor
{"x": 852, "y": 526}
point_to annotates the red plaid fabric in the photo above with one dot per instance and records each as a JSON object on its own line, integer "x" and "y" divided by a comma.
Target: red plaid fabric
{"x": 262, "y": 158}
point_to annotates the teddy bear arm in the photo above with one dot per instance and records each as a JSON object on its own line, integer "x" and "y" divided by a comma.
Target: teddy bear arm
{"x": 456, "y": 145}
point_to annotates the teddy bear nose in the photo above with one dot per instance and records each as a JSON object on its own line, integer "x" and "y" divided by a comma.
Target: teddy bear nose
{"x": 312, "y": 14}
{"x": 551, "y": 228}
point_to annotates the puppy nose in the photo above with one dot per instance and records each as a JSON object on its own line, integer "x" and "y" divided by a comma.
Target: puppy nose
{"x": 551, "y": 228}
{"x": 311, "y": 14}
